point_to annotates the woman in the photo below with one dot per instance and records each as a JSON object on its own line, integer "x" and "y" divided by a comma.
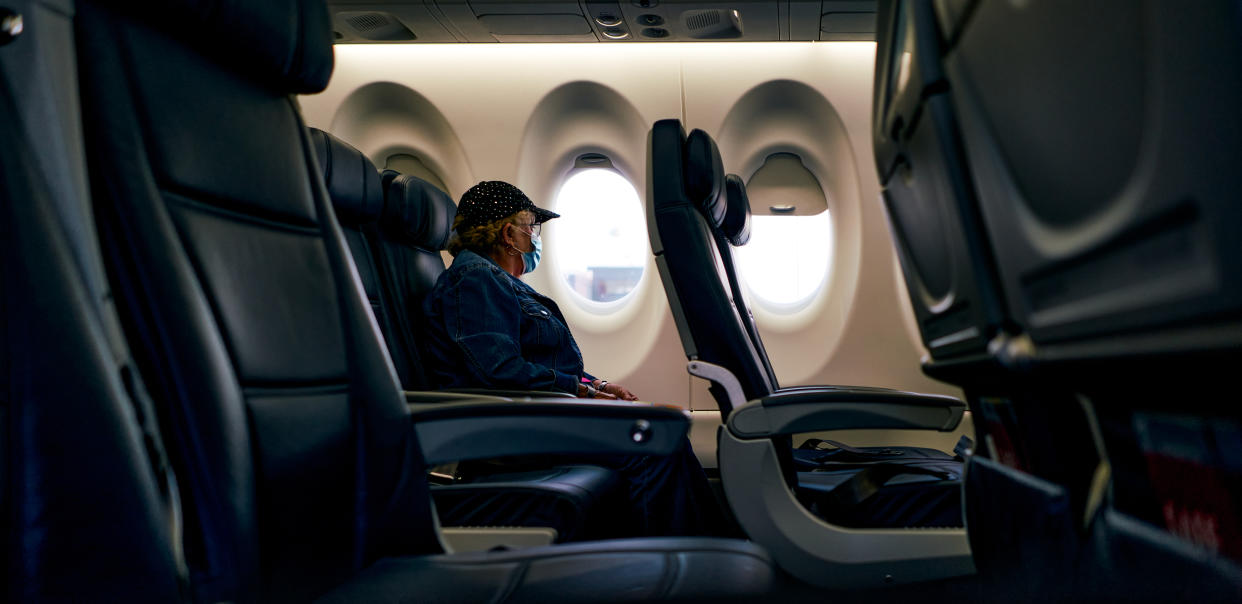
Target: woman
{"x": 487, "y": 328}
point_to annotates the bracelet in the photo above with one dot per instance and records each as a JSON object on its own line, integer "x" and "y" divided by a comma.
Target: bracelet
{"x": 590, "y": 393}
{"x": 601, "y": 384}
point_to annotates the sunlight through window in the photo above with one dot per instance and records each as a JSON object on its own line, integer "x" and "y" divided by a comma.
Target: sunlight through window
{"x": 787, "y": 259}
{"x": 601, "y": 237}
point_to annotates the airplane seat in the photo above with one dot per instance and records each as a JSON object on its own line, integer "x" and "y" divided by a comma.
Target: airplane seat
{"x": 87, "y": 502}
{"x": 1086, "y": 206}
{"x": 734, "y": 231}
{"x": 689, "y": 205}
{"x": 1106, "y": 188}
{"x": 824, "y": 465}
{"x": 414, "y": 228}
{"x": 357, "y": 197}
{"x": 686, "y": 206}
{"x": 300, "y": 462}
{"x": 1030, "y": 480}
{"x": 416, "y": 224}
{"x": 736, "y": 224}
{"x": 578, "y": 501}
{"x": 386, "y": 176}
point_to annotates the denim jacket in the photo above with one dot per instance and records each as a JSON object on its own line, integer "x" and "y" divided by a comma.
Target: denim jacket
{"x": 486, "y": 328}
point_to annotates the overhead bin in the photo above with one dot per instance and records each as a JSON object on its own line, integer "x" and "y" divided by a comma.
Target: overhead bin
{"x": 386, "y": 23}
{"x": 539, "y": 27}
{"x": 847, "y": 21}
{"x": 489, "y": 21}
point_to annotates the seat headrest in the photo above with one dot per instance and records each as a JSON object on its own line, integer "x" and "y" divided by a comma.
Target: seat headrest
{"x": 704, "y": 176}
{"x": 417, "y": 213}
{"x": 386, "y": 176}
{"x": 282, "y": 44}
{"x": 353, "y": 181}
{"x": 736, "y": 224}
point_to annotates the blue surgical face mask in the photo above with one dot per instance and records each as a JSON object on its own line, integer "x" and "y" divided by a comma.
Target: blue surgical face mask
{"x": 531, "y": 259}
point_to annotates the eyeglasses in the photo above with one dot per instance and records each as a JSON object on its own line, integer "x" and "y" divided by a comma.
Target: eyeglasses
{"x": 535, "y": 227}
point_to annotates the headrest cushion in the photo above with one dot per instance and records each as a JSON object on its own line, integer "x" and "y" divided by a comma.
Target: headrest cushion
{"x": 283, "y": 44}
{"x": 417, "y": 213}
{"x": 353, "y": 181}
{"x": 736, "y": 224}
{"x": 704, "y": 176}
{"x": 386, "y": 177}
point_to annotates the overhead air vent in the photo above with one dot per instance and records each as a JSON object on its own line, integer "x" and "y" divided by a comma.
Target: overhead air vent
{"x": 368, "y": 21}
{"x": 703, "y": 20}
{"x": 373, "y": 26}
{"x": 712, "y": 24}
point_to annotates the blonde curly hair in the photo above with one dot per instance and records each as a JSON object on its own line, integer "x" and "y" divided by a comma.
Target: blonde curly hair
{"x": 484, "y": 238}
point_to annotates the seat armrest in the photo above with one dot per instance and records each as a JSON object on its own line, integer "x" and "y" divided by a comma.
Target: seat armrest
{"x": 424, "y": 397}
{"x": 488, "y": 429}
{"x": 809, "y": 409}
{"x": 812, "y": 548}
{"x": 511, "y": 394}
{"x": 459, "y": 539}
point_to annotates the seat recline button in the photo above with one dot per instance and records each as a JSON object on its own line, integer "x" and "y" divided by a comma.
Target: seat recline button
{"x": 640, "y": 432}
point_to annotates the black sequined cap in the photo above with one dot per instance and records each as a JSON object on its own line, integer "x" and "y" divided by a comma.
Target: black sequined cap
{"x": 492, "y": 200}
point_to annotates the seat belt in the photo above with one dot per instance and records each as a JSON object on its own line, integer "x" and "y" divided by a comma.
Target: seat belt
{"x": 870, "y": 479}
{"x": 833, "y": 450}
{"x": 965, "y": 448}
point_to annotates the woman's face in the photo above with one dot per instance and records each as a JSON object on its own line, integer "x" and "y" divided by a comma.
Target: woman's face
{"x": 525, "y": 232}
{"x": 522, "y": 236}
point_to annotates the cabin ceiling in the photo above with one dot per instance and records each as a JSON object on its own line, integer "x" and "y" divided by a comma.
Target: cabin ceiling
{"x": 604, "y": 21}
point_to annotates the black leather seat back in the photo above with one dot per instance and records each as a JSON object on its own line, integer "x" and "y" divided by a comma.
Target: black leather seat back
{"x": 946, "y": 258}
{"x": 1104, "y": 167}
{"x": 686, "y": 204}
{"x": 386, "y": 177}
{"x": 88, "y": 504}
{"x": 734, "y": 231}
{"x": 357, "y": 193}
{"x": 1034, "y": 431}
{"x": 1107, "y": 182}
{"x": 284, "y": 417}
{"x": 1095, "y": 166}
{"x": 415, "y": 225}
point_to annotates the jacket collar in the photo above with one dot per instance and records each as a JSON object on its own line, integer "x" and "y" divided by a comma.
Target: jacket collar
{"x": 466, "y": 258}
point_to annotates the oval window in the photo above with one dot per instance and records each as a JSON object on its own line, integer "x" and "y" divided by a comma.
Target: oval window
{"x": 601, "y": 236}
{"x": 786, "y": 262}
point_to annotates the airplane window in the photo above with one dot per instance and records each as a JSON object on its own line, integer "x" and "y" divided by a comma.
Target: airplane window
{"x": 786, "y": 262}
{"x": 787, "y": 259}
{"x": 601, "y": 236}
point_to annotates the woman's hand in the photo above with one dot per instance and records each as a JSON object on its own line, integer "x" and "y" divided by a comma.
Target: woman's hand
{"x": 618, "y": 391}
{"x": 591, "y": 392}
